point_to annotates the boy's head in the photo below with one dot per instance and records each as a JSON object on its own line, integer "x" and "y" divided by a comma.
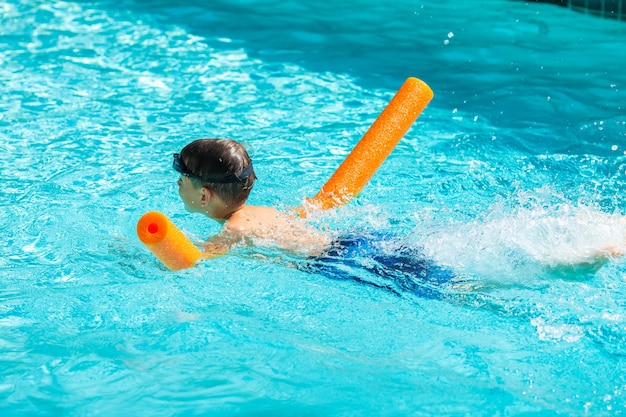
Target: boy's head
{"x": 221, "y": 165}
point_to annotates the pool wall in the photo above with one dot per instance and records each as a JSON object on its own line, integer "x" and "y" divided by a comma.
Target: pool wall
{"x": 613, "y": 9}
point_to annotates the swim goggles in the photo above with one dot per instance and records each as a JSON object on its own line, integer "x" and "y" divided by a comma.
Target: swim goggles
{"x": 179, "y": 166}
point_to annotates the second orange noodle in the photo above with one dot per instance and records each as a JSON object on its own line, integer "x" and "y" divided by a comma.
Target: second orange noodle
{"x": 166, "y": 241}
{"x": 375, "y": 146}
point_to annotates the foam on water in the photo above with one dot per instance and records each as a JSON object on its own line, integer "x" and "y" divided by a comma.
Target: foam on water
{"x": 509, "y": 239}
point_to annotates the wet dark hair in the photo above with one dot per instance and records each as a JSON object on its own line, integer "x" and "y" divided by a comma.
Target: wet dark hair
{"x": 222, "y": 160}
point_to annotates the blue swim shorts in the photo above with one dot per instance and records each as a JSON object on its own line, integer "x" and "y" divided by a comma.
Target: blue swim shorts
{"x": 382, "y": 261}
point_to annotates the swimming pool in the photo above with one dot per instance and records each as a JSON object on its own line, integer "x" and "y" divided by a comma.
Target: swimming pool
{"x": 519, "y": 160}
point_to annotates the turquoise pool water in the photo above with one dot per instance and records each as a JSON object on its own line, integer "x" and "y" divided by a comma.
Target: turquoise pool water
{"x": 516, "y": 165}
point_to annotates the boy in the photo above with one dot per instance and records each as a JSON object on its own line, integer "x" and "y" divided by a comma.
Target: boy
{"x": 216, "y": 180}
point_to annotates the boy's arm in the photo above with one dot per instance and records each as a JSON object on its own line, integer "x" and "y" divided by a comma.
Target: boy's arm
{"x": 219, "y": 244}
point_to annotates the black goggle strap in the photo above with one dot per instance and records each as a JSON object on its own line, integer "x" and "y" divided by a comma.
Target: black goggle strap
{"x": 179, "y": 166}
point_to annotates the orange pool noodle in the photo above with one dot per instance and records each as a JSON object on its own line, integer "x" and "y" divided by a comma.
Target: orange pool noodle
{"x": 375, "y": 146}
{"x": 166, "y": 241}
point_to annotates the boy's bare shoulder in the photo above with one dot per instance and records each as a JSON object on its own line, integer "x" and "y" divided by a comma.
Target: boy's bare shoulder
{"x": 251, "y": 218}
{"x": 282, "y": 228}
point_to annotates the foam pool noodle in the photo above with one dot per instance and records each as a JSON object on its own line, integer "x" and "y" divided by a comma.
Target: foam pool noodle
{"x": 374, "y": 147}
{"x": 173, "y": 248}
{"x": 166, "y": 241}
